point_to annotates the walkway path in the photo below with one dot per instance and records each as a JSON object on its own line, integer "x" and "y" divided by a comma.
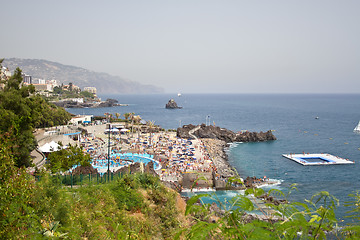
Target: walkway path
{"x": 191, "y": 132}
{"x": 38, "y": 160}
{"x": 43, "y": 137}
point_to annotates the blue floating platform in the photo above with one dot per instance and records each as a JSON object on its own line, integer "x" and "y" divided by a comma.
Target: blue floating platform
{"x": 317, "y": 159}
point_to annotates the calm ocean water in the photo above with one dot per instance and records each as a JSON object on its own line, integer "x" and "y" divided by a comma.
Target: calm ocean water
{"x": 293, "y": 119}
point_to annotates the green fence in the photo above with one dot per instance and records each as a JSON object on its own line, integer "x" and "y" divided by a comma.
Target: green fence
{"x": 84, "y": 179}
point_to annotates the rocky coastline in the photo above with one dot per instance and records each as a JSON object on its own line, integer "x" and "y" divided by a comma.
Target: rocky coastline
{"x": 66, "y": 103}
{"x": 214, "y": 132}
{"x": 216, "y": 140}
{"x": 223, "y": 170}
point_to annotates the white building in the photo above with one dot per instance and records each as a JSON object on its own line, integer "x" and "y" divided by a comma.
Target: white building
{"x": 27, "y": 78}
{"x": 90, "y": 90}
{"x": 78, "y": 100}
{"x": 5, "y": 73}
{"x": 53, "y": 82}
{"x": 81, "y": 119}
{"x": 41, "y": 81}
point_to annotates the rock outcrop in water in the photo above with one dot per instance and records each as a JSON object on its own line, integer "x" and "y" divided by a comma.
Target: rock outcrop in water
{"x": 224, "y": 134}
{"x": 172, "y": 105}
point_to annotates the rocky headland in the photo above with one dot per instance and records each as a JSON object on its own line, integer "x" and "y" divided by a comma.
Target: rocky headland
{"x": 223, "y": 134}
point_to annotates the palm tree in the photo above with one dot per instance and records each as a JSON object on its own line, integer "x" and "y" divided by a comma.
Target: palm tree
{"x": 131, "y": 117}
{"x": 151, "y": 125}
{"x": 107, "y": 115}
{"x": 138, "y": 130}
{"x": 126, "y": 116}
{"x": 117, "y": 115}
{"x": 137, "y": 119}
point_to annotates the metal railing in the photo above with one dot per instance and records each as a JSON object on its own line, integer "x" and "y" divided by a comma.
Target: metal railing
{"x": 85, "y": 179}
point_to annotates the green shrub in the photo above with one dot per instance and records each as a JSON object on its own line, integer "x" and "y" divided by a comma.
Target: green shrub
{"x": 126, "y": 196}
{"x": 17, "y": 189}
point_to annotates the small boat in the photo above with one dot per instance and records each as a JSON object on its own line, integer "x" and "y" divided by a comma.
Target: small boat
{"x": 357, "y": 128}
{"x": 179, "y": 94}
{"x": 316, "y": 117}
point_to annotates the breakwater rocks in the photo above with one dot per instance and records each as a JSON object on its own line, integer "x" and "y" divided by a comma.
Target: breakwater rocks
{"x": 215, "y": 148}
{"x": 223, "y": 134}
{"x": 222, "y": 169}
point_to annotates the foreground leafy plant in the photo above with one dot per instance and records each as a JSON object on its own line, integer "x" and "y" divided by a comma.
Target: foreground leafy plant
{"x": 314, "y": 219}
{"x": 17, "y": 188}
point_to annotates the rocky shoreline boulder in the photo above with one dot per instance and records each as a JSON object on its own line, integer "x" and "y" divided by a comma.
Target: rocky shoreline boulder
{"x": 255, "y": 136}
{"x": 224, "y": 134}
{"x": 85, "y": 170}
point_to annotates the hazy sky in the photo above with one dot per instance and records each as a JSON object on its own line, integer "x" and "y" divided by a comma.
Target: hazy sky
{"x": 194, "y": 46}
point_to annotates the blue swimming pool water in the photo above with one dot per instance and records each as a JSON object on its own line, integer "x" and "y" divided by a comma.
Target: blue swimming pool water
{"x": 315, "y": 159}
{"x": 125, "y": 157}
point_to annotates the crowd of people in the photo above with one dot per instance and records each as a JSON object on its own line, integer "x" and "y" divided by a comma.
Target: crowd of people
{"x": 172, "y": 156}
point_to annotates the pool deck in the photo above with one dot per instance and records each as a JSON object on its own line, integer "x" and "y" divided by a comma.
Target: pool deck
{"x": 324, "y": 159}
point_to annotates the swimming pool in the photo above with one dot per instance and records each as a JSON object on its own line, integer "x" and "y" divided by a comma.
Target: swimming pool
{"x": 317, "y": 159}
{"x": 119, "y": 160}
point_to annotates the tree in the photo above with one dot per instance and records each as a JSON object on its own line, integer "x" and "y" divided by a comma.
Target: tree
{"x": 87, "y": 94}
{"x": 126, "y": 116}
{"x": 17, "y": 218}
{"x": 131, "y": 117}
{"x": 137, "y": 119}
{"x": 151, "y": 125}
{"x": 16, "y": 115}
{"x": 21, "y": 111}
{"x": 64, "y": 159}
{"x": 57, "y": 90}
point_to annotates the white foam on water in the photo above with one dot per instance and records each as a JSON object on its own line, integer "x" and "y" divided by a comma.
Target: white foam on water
{"x": 232, "y": 193}
{"x": 199, "y": 190}
{"x": 232, "y": 145}
{"x": 273, "y": 183}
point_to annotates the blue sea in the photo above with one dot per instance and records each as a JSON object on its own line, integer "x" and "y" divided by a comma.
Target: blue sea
{"x": 310, "y": 123}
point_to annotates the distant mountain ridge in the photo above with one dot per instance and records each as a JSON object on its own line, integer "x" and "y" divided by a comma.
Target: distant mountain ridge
{"x": 104, "y": 83}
